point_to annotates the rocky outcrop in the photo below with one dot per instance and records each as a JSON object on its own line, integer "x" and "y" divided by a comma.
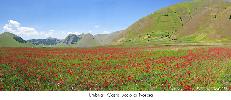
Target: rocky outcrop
{"x": 71, "y": 39}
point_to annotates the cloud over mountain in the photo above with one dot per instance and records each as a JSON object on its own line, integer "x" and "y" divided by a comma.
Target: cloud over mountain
{"x": 28, "y": 32}
{"x": 15, "y": 27}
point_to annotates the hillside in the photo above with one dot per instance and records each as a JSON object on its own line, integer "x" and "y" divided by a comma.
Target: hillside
{"x": 71, "y": 39}
{"x": 87, "y": 40}
{"x": 196, "y": 21}
{"x": 83, "y": 41}
{"x": 10, "y": 40}
{"x": 189, "y": 22}
{"x": 107, "y": 39}
{"x": 47, "y": 41}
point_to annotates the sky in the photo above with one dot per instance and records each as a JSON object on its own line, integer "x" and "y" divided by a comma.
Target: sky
{"x": 58, "y": 18}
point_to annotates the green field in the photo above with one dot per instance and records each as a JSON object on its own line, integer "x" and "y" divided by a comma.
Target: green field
{"x": 115, "y": 69}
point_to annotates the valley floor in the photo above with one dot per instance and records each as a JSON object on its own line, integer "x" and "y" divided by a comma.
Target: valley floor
{"x": 161, "y": 68}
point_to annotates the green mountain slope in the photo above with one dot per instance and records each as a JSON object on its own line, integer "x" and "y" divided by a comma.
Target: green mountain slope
{"x": 107, "y": 39}
{"x": 87, "y": 40}
{"x": 10, "y": 40}
{"x": 196, "y": 21}
{"x": 83, "y": 41}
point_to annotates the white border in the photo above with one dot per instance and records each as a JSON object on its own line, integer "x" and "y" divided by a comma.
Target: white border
{"x": 84, "y": 95}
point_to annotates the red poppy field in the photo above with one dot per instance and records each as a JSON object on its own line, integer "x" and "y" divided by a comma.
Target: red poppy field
{"x": 112, "y": 69}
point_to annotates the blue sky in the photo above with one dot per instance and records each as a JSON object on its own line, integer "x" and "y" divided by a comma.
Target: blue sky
{"x": 57, "y": 18}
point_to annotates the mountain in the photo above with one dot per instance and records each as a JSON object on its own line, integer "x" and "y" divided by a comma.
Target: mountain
{"x": 83, "y": 41}
{"x": 107, "y": 39}
{"x": 11, "y": 40}
{"x": 48, "y": 41}
{"x": 71, "y": 39}
{"x": 87, "y": 40}
{"x": 192, "y": 21}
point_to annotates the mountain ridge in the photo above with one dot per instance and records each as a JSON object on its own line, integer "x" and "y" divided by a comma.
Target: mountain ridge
{"x": 11, "y": 40}
{"x": 195, "y": 21}
{"x": 191, "y": 21}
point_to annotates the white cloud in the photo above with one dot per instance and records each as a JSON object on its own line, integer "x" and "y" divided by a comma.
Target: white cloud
{"x": 50, "y": 33}
{"x": 8, "y": 28}
{"x": 16, "y": 28}
{"x": 27, "y": 31}
{"x": 14, "y": 23}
